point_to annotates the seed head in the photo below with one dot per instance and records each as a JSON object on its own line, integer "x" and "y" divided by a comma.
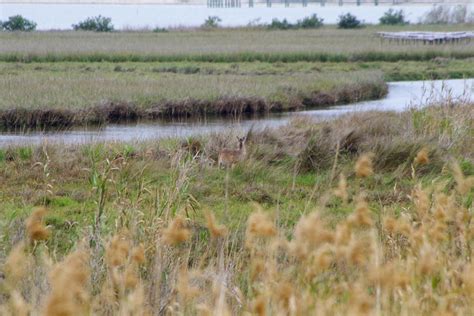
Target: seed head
{"x": 464, "y": 184}
{"x": 361, "y": 215}
{"x": 68, "y": 286}
{"x": 117, "y": 250}
{"x": 176, "y": 232}
{"x": 138, "y": 254}
{"x": 260, "y": 225}
{"x": 341, "y": 190}
{"x": 259, "y": 305}
{"x": 18, "y": 305}
{"x": 422, "y": 157}
{"x": 130, "y": 278}
{"x": 215, "y": 229}
{"x": 185, "y": 289}
{"x": 363, "y": 166}
{"x": 310, "y": 233}
{"x": 16, "y": 264}
{"x": 35, "y": 225}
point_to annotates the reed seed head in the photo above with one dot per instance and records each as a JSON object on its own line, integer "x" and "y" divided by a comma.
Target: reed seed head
{"x": 35, "y": 227}
{"x": 260, "y": 225}
{"x": 176, "y": 232}
{"x": 422, "y": 157}
{"x": 215, "y": 229}
{"x": 363, "y": 166}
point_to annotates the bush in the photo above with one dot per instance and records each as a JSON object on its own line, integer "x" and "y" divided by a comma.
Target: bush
{"x": 96, "y": 24}
{"x": 348, "y": 21}
{"x": 160, "y": 30}
{"x": 212, "y": 22}
{"x": 18, "y": 23}
{"x": 280, "y": 25}
{"x": 311, "y": 22}
{"x": 392, "y": 17}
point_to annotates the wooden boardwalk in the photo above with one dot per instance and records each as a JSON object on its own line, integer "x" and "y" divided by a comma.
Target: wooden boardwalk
{"x": 427, "y": 37}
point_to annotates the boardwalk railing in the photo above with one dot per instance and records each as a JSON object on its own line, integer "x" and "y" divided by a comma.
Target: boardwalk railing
{"x": 427, "y": 37}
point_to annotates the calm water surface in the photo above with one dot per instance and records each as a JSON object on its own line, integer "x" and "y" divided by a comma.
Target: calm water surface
{"x": 401, "y": 96}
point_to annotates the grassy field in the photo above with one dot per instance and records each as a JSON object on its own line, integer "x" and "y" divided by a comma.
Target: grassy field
{"x": 62, "y": 95}
{"x": 61, "y": 79}
{"x": 367, "y": 214}
{"x": 227, "y": 45}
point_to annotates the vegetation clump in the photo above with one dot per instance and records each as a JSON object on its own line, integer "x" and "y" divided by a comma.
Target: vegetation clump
{"x": 160, "y": 30}
{"x": 211, "y": 22}
{"x": 17, "y": 23}
{"x": 311, "y": 22}
{"x": 393, "y": 17}
{"x": 96, "y": 24}
{"x": 349, "y": 21}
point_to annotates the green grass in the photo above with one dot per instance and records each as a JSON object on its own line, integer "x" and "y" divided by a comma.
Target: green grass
{"x": 66, "y": 94}
{"x": 393, "y": 71}
{"x": 226, "y": 45}
{"x": 81, "y": 87}
{"x": 153, "y": 178}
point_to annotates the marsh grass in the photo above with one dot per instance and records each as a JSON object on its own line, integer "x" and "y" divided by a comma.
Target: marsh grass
{"x": 234, "y": 45}
{"x": 62, "y": 99}
{"x": 373, "y": 229}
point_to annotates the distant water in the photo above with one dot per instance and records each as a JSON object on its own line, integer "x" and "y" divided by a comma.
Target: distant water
{"x": 62, "y": 16}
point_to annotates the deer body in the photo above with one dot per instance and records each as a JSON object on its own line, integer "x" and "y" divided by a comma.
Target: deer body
{"x": 229, "y": 157}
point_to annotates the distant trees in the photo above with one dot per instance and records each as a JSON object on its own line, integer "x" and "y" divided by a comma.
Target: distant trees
{"x": 211, "y": 22}
{"x": 349, "y": 21}
{"x": 393, "y": 17}
{"x": 311, "y": 22}
{"x": 96, "y": 24}
{"x": 17, "y": 23}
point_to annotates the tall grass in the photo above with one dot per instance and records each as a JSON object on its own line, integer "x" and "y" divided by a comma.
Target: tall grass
{"x": 380, "y": 230}
{"x": 64, "y": 98}
{"x": 325, "y": 44}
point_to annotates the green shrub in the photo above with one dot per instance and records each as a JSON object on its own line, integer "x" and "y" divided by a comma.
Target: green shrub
{"x": 212, "y": 22}
{"x": 96, "y": 24}
{"x": 311, "y": 22}
{"x": 392, "y": 17}
{"x": 160, "y": 30}
{"x": 18, "y": 23}
{"x": 348, "y": 21}
{"x": 280, "y": 25}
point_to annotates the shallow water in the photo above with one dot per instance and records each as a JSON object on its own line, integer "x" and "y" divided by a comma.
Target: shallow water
{"x": 401, "y": 96}
{"x": 62, "y": 16}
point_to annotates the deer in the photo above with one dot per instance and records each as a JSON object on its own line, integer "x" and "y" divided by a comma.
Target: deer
{"x": 228, "y": 157}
